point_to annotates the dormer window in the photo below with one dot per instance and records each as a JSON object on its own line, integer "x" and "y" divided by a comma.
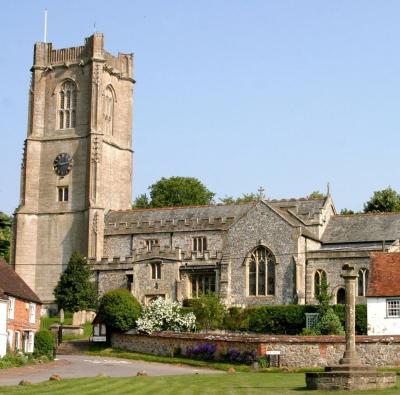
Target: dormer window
{"x": 67, "y": 106}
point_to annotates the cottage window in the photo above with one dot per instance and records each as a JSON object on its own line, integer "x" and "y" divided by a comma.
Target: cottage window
{"x": 393, "y": 308}
{"x": 156, "y": 270}
{"x": 362, "y": 282}
{"x": 32, "y": 313}
{"x": 67, "y": 106}
{"x": 261, "y": 272}
{"x": 9, "y": 338}
{"x": 199, "y": 244}
{"x": 319, "y": 279}
{"x": 11, "y": 308}
{"x": 108, "y": 111}
{"x": 203, "y": 283}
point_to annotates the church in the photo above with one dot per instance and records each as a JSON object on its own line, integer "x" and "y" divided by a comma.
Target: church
{"x": 76, "y": 191}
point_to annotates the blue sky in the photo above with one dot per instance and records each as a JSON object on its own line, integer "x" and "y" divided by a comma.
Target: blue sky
{"x": 287, "y": 95}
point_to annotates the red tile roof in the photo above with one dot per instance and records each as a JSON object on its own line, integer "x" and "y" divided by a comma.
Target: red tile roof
{"x": 13, "y": 285}
{"x": 384, "y": 278}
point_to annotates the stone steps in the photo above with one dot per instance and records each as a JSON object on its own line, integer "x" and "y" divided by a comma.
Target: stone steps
{"x": 73, "y": 347}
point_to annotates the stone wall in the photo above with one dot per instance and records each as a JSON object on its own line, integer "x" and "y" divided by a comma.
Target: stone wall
{"x": 296, "y": 351}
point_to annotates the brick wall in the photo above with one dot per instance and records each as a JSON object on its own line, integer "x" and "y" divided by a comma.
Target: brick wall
{"x": 296, "y": 351}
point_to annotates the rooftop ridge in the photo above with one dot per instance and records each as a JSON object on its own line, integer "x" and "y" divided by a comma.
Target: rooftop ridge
{"x": 300, "y": 199}
{"x": 181, "y": 207}
{"x": 367, "y": 214}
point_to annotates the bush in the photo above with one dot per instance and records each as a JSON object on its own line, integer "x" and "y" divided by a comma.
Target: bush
{"x": 285, "y": 319}
{"x": 119, "y": 309}
{"x": 329, "y": 324}
{"x": 235, "y": 356}
{"x": 209, "y": 311}
{"x": 12, "y": 360}
{"x": 162, "y": 315}
{"x": 44, "y": 344}
{"x": 236, "y": 319}
{"x": 203, "y": 351}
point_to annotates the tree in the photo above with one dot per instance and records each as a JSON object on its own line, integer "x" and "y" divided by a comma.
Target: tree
{"x": 246, "y": 197}
{"x": 316, "y": 195}
{"x": 5, "y": 235}
{"x": 329, "y": 324}
{"x": 322, "y": 295}
{"x": 142, "y": 201}
{"x": 119, "y": 309}
{"x": 384, "y": 201}
{"x": 175, "y": 191}
{"x": 74, "y": 290}
{"x": 346, "y": 211}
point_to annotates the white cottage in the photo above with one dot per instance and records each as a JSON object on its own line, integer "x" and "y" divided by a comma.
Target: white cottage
{"x": 383, "y": 296}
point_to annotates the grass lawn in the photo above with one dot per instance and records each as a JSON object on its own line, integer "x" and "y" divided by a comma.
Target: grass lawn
{"x": 235, "y": 383}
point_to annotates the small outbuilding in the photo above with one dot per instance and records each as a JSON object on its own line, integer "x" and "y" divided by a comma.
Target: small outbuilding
{"x": 383, "y": 295}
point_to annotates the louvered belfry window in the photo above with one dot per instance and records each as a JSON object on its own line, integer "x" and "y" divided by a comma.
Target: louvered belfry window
{"x": 67, "y": 106}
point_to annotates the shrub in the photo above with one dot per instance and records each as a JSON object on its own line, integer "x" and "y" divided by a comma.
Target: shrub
{"x": 44, "y": 344}
{"x": 162, "y": 315}
{"x": 209, "y": 311}
{"x": 203, "y": 351}
{"x": 12, "y": 360}
{"x": 329, "y": 324}
{"x": 236, "y": 319}
{"x": 119, "y": 309}
{"x": 235, "y": 356}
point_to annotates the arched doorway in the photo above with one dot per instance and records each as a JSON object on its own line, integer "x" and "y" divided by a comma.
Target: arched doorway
{"x": 341, "y": 296}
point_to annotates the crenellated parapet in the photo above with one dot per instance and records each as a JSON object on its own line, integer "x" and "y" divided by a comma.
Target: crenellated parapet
{"x": 46, "y": 57}
{"x": 174, "y": 224}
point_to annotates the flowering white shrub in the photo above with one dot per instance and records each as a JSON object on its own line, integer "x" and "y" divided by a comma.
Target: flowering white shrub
{"x": 165, "y": 316}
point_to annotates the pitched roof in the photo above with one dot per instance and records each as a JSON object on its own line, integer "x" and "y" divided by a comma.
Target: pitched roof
{"x": 13, "y": 285}
{"x": 384, "y": 277}
{"x": 357, "y": 228}
{"x": 217, "y": 216}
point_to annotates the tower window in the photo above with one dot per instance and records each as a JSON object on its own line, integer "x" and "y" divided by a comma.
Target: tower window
{"x": 108, "y": 111}
{"x": 199, "y": 244}
{"x": 62, "y": 194}
{"x": 67, "y": 106}
{"x": 156, "y": 270}
{"x": 261, "y": 272}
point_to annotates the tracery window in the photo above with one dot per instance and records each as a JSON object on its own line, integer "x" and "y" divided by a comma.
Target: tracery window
{"x": 319, "y": 278}
{"x": 108, "y": 111}
{"x": 67, "y": 105}
{"x": 261, "y": 272}
{"x": 156, "y": 270}
{"x": 362, "y": 282}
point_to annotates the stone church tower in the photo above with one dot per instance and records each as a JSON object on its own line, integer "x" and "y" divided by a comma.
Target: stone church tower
{"x": 77, "y": 160}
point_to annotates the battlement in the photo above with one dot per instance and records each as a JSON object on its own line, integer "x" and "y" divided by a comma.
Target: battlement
{"x": 157, "y": 252}
{"x": 45, "y": 56}
{"x": 164, "y": 225}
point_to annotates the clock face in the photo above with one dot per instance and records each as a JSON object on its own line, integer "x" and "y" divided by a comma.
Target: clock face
{"x": 62, "y": 164}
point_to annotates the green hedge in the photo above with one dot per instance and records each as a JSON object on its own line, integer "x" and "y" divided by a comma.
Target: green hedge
{"x": 284, "y": 319}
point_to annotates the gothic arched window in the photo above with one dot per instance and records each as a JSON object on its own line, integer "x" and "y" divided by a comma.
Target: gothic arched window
{"x": 261, "y": 272}
{"x": 108, "y": 111}
{"x": 341, "y": 296}
{"x": 67, "y": 106}
{"x": 362, "y": 282}
{"x": 319, "y": 279}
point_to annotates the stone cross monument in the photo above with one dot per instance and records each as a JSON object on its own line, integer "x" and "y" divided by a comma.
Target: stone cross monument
{"x": 350, "y": 374}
